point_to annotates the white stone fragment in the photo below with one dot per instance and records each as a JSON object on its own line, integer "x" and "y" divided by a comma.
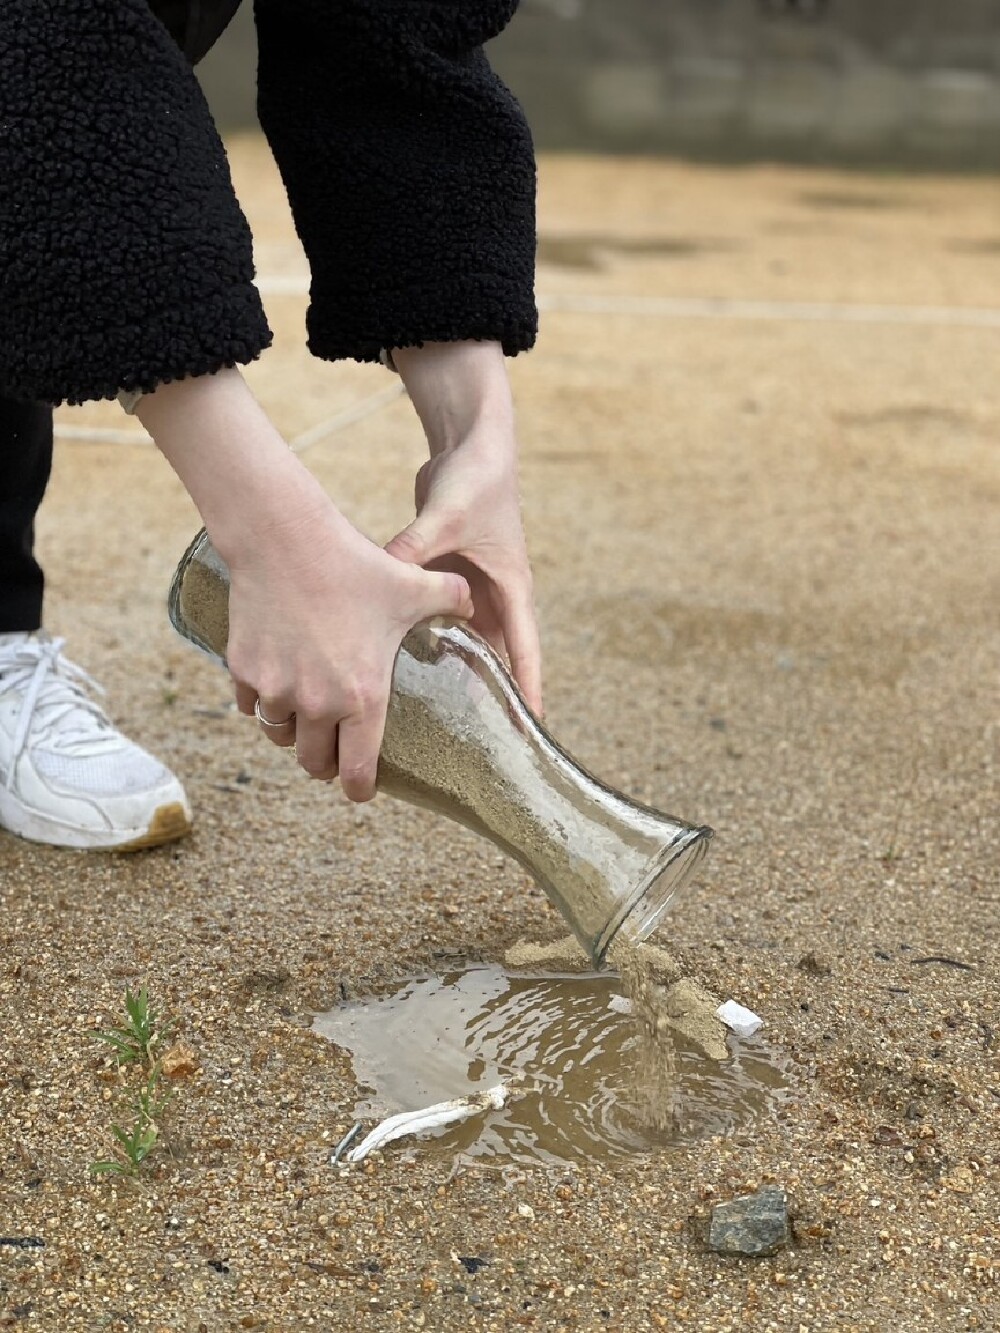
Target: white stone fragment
{"x": 431, "y": 1117}
{"x": 620, "y": 1004}
{"x": 744, "y": 1022}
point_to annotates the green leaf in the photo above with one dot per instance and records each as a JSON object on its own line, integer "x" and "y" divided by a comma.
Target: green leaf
{"x": 140, "y": 1014}
{"x": 145, "y": 1144}
{"x": 108, "y": 1168}
{"x": 126, "y": 1051}
{"x": 136, "y": 1004}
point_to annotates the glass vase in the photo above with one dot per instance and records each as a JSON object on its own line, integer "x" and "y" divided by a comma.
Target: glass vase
{"x": 460, "y": 740}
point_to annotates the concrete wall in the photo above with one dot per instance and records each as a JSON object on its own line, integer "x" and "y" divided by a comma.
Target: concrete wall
{"x": 908, "y": 81}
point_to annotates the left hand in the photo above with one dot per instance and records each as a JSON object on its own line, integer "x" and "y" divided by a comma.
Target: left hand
{"x": 467, "y": 497}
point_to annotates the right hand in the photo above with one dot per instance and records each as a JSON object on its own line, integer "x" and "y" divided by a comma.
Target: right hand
{"x": 317, "y": 613}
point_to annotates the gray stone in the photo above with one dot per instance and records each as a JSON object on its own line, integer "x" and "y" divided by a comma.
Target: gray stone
{"x": 754, "y": 1225}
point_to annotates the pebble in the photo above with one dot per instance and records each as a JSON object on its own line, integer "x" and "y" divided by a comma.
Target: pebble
{"x": 754, "y": 1225}
{"x": 744, "y": 1022}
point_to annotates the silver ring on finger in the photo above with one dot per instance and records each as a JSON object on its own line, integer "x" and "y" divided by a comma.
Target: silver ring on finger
{"x": 266, "y": 721}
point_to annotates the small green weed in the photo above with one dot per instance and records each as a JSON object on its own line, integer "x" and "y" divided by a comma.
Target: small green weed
{"x": 136, "y": 1146}
{"x": 150, "y": 1104}
{"x": 137, "y": 1043}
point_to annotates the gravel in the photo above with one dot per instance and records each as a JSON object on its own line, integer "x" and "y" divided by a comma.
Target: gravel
{"x": 788, "y": 529}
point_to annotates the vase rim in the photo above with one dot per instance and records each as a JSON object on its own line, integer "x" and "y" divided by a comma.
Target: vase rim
{"x": 689, "y": 840}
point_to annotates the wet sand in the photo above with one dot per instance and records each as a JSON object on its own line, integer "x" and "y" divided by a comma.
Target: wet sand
{"x": 767, "y": 557}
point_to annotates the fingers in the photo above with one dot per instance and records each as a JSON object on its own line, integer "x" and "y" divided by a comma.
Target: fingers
{"x": 328, "y": 745}
{"x": 422, "y": 484}
{"x": 524, "y": 651}
{"x": 444, "y": 594}
{"x": 432, "y": 533}
{"x": 413, "y": 545}
{"x": 246, "y": 697}
{"x": 276, "y": 720}
{"x": 360, "y": 740}
{"x": 494, "y": 637}
{"x": 316, "y": 747}
{"x": 336, "y": 724}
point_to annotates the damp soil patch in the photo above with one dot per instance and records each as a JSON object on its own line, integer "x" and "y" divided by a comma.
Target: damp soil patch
{"x": 863, "y": 200}
{"x": 592, "y": 252}
{"x": 569, "y": 1041}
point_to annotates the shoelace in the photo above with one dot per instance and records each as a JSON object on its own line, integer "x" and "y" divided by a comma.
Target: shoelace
{"x": 51, "y": 683}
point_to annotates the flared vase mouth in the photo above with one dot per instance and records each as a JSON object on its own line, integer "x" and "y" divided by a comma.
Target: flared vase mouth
{"x": 668, "y": 873}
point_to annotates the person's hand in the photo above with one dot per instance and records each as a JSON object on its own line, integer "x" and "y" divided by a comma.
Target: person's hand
{"x": 467, "y": 498}
{"x": 317, "y": 612}
{"x": 469, "y": 522}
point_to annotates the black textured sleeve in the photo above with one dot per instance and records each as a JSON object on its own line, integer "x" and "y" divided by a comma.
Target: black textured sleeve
{"x": 125, "y": 260}
{"x": 409, "y": 167}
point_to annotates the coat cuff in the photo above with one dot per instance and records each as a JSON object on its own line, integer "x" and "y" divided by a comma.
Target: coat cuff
{"x": 365, "y": 325}
{"x": 77, "y": 365}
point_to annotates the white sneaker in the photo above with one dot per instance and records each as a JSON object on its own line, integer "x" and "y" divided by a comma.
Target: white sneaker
{"x": 67, "y": 777}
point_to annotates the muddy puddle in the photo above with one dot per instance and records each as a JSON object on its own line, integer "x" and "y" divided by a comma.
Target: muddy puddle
{"x": 568, "y": 1041}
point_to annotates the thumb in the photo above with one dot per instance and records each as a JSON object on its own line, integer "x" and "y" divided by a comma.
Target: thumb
{"x": 424, "y": 540}
{"x": 444, "y": 595}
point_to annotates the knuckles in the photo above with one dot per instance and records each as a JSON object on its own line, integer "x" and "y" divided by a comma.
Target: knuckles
{"x": 314, "y": 704}
{"x": 319, "y": 703}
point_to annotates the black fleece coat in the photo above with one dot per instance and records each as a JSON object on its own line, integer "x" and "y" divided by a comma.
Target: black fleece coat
{"x": 125, "y": 260}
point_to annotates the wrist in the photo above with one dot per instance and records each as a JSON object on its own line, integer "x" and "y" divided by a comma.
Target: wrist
{"x": 458, "y": 389}
{"x": 251, "y": 491}
{"x": 268, "y": 515}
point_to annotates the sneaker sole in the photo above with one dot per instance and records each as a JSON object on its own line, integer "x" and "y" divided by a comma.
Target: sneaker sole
{"x": 168, "y": 822}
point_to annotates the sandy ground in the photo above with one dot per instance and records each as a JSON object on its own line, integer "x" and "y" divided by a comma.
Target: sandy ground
{"x": 768, "y": 558}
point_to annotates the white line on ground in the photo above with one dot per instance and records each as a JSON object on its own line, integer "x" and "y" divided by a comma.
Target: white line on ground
{"x": 723, "y": 308}
{"x": 347, "y": 417}
{"x": 314, "y": 435}
{"x": 283, "y": 284}
{"x": 101, "y": 435}
{"x": 694, "y": 307}
{"x": 656, "y": 307}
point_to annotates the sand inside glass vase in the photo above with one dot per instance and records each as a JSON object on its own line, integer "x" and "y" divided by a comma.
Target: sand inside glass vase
{"x": 460, "y": 740}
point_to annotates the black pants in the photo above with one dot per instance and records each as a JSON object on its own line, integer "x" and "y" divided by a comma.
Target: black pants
{"x": 25, "y": 463}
